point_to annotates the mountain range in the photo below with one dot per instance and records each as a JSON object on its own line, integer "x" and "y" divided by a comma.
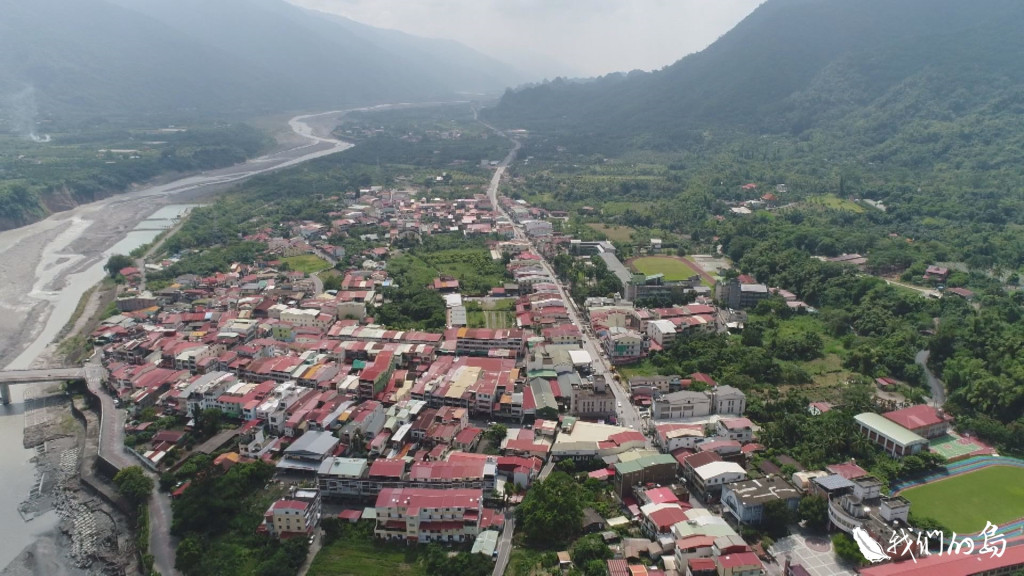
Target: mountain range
{"x": 798, "y": 65}
{"x": 203, "y": 57}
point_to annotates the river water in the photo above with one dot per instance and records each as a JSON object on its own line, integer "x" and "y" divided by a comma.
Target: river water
{"x": 49, "y": 266}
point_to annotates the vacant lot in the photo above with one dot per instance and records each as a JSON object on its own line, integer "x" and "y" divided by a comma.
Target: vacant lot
{"x": 834, "y": 202}
{"x": 672, "y": 268}
{"x": 964, "y": 503}
{"x": 622, "y": 234}
{"x": 307, "y": 263}
{"x": 358, "y": 557}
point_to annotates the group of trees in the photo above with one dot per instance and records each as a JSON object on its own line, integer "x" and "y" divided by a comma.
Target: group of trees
{"x": 217, "y": 517}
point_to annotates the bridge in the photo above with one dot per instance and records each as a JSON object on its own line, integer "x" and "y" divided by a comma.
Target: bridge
{"x": 13, "y": 377}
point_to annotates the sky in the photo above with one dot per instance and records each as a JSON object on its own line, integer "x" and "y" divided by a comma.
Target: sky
{"x": 548, "y": 38}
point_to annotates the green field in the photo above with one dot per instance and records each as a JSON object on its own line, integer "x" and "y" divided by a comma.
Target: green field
{"x": 307, "y": 263}
{"x": 614, "y": 233}
{"x": 672, "y": 268}
{"x": 834, "y": 202}
{"x": 964, "y": 503}
{"x": 358, "y": 557}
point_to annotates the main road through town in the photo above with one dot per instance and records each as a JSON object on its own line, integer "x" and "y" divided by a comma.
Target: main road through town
{"x": 628, "y": 415}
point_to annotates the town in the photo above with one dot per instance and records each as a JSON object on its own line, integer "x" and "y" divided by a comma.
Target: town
{"x": 438, "y": 436}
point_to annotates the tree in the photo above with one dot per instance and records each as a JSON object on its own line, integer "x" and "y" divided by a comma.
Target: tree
{"x": 776, "y": 518}
{"x": 116, "y": 263}
{"x": 133, "y": 483}
{"x": 208, "y": 422}
{"x": 551, "y": 511}
{"x": 813, "y": 511}
{"x": 188, "y": 558}
{"x": 495, "y": 434}
{"x": 846, "y": 549}
{"x": 589, "y": 548}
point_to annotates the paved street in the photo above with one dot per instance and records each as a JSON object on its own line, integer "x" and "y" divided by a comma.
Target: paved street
{"x": 161, "y": 543}
{"x": 628, "y": 415}
{"x": 505, "y": 543}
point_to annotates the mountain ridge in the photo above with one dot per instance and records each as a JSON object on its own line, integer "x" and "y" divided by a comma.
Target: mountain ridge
{"x": 764, "y": 74}
{"x": 189, "y": 57}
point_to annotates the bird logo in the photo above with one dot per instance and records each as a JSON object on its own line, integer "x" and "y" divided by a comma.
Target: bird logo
{"x": 869, "y": 547}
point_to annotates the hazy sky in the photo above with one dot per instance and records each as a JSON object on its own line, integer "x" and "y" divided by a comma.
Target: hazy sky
{"x": 558, "y": 37}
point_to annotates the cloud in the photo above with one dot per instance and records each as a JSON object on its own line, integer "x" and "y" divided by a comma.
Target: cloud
{"x": 558, "y": 37}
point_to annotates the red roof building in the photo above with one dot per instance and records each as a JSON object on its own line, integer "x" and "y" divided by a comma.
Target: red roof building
{"x": 923, "y": 420}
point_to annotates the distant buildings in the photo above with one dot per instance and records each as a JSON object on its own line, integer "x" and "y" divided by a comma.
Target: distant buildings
{"x": 741, "y": 295}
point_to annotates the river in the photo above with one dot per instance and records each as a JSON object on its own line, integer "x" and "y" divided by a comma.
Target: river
{"x": 46, "y": 267}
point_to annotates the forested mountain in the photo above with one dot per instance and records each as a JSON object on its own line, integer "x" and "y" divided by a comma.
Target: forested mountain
{"x": 122, "y": 57}
{"x": 796, "y": 65}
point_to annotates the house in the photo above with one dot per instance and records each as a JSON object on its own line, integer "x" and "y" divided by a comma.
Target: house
{"x": 711, "y": 478}
{"x": 745, "y": 500}
{"x": 892, "y": 437}
{"x": 739, "y": 564}
{"x": 936, "y": 273}
{"x": 739, "y": 429}
{"x": 923, "y": 420}
{"x": 818, "y": 408}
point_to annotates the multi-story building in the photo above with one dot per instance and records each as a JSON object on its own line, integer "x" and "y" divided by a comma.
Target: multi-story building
{"x": 682, "y": 404}
{"x": 428, "y": 515}
{"x": 295, "y": 516}
{"x": 745, "y": 500}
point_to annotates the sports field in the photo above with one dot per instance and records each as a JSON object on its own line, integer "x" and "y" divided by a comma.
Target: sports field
{"x": 672, "y": 268}
{"x": 964, "y": 503}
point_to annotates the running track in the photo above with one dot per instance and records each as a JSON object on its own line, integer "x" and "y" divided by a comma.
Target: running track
{"x": 1014, "y": 529}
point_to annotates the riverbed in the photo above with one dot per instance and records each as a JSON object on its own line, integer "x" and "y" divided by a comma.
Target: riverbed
{"x": 46, "y": 267}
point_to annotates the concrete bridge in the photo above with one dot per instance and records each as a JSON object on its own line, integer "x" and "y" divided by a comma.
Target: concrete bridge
{"x": 13, "y": 377}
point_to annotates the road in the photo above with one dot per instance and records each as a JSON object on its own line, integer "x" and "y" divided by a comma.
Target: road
{"x": 938, "y": 388}
{"x": 505, "y": 544}
{"x": 628, "y": 415}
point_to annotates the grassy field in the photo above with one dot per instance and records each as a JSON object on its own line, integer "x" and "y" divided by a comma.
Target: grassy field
{"x": 672, "y": 268}
{"x": 357, "y": 557}
{"x": 614, "y": 233}
{"x": 833, "y": 202}
{"x": 964, "y": 503}
{"x": 307, "y": 263}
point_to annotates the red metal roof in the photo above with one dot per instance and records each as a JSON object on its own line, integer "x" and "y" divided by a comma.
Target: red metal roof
{"x": 915, "y": 417}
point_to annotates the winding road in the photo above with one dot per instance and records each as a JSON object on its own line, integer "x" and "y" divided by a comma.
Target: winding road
{"x": 938, "y": 388}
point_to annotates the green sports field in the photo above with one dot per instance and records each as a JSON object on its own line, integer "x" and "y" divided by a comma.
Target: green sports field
{"x": 672, "y": 268}
{"x": 964, "y": 503}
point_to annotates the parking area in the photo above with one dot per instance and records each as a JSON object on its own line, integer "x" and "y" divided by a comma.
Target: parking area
{"x": 812, "y": 552}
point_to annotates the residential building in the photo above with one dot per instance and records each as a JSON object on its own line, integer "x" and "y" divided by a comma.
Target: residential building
{"x": 728, "y": 400}
{"x": 663, "y": 332}
{"x": 711, "y": 478}
{"x": 739, "y": 429}
{"x": 745, "y": 500}
{"x": 653, "y": 468}
{"x": 294, "y": 516}
{"x": 427, "y": 515}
